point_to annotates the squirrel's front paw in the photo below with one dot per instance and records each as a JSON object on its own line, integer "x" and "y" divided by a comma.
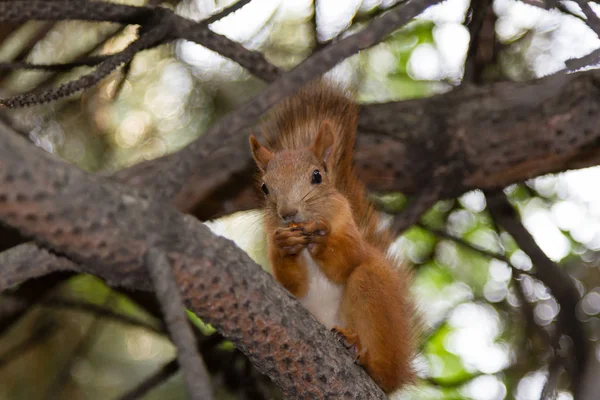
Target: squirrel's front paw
{"x": 290, "y": 241}
{"x": 318, "y": 228}
{"x": 317, "y": 232}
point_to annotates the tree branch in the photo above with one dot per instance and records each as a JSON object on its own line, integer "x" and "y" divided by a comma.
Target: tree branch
{"x": 225, "y": 12}
{"x": 61, "y": 303}
{"x": 27, "y": 261}
{"x": 83, "y": 346}
{"x": 194, "y": 371}
{"x": 105, "y": 229}
{"x": 41, "y": 333}
{"x": 59, "y": 67}
{"x": 482, "y": 45}
{"x": 147, "y": 40}
{"x": 557, "y": 280}
{"x": 592, "y": 19}
{"x": 164, "y": 373}
{"x": 179, "y": 27}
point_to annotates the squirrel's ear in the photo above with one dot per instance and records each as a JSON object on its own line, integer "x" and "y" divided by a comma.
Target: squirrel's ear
{"x": 261, "y": 155}
{"x": 323, "y": 143}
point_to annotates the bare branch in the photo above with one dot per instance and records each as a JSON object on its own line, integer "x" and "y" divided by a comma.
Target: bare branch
{"x": 145, "y": 41}
{"x": 83, "y": 346}
{"x": 27, "y": 261}
{"x": 164, "y": 373}
{"x": 149, "y": 17}
{"x": 592, "y": 19}
{"x": 99, "y": 311}
{"x": 225, "y": 12}
{"x": 194, "y": 371}
{"x": 84, "y": 62}
{"x": 40, "y": 334}
{"x": 557, "y": 280}
{"x": 419, "y": 205}
{"x": 23, "y": 11}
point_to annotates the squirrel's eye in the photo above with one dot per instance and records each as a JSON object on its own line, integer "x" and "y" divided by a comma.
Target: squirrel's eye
{"x": 316, "y": 177}
{"x": 264, "y": 188}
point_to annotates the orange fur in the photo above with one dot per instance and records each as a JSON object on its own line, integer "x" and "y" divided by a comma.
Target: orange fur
{"x": 326, "y": 221}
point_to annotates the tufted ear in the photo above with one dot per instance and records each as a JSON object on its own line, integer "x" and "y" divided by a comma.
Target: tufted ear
{"x": 322, "y": 146}
{"x": 261, "y": 155}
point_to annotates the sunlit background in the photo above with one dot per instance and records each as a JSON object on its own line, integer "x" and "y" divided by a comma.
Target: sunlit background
{"x": 478, "y": 346}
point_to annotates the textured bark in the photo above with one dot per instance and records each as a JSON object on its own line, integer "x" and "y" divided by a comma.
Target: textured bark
{"x": 106, "y": 231}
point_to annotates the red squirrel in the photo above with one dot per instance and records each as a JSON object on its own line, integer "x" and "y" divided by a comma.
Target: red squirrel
{"x": 325, "y": 242}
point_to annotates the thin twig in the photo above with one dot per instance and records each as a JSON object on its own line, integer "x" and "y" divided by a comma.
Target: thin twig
{"x": 194, "y": 371}
{"x": 554, "y": 370}
{"x": 223, "y": 13}
{"x": 154, "y": 380}
{"x": 145, "y": 41}
{"x": 58, "y": 67}
{"x": 39, "y": 335}
{"x": 85, "y": 343}
{"x": 122, "y": 79}
{"x": 470, "y": 246}
{"x": 99, "y": 311}
{"x": 592, "y": 19}
{"x": 416, "y": 208}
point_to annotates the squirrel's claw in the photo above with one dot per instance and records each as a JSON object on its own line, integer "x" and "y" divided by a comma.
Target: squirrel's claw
{"x": 350, "y": 341}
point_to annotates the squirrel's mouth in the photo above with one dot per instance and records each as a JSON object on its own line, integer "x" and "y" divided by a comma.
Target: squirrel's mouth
{"x": 293, "y": 222}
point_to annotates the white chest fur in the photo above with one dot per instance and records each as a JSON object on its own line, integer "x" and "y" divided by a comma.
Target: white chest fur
{"x": 324, "y": 297}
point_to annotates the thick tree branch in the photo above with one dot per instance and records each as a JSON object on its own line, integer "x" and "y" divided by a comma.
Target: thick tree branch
{"x": 105, "y": 230}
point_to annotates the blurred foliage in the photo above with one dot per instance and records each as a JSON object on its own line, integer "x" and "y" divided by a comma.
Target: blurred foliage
{"x": 477, "y": 343}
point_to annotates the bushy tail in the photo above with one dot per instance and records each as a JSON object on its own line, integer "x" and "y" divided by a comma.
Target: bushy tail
{"x": 295, "y": 125}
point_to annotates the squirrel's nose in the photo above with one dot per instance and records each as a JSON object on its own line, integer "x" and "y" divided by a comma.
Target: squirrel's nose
{"x": 287, "y": 214}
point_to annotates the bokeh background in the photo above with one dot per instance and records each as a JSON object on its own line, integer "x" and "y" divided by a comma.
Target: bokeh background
{"x": 478, "y": 345}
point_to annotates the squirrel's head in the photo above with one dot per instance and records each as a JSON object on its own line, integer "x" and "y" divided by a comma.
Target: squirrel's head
{"x": 297, "y": 183}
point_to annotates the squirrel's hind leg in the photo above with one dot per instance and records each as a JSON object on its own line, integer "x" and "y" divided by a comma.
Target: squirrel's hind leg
{"x": 373, "y": 308}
